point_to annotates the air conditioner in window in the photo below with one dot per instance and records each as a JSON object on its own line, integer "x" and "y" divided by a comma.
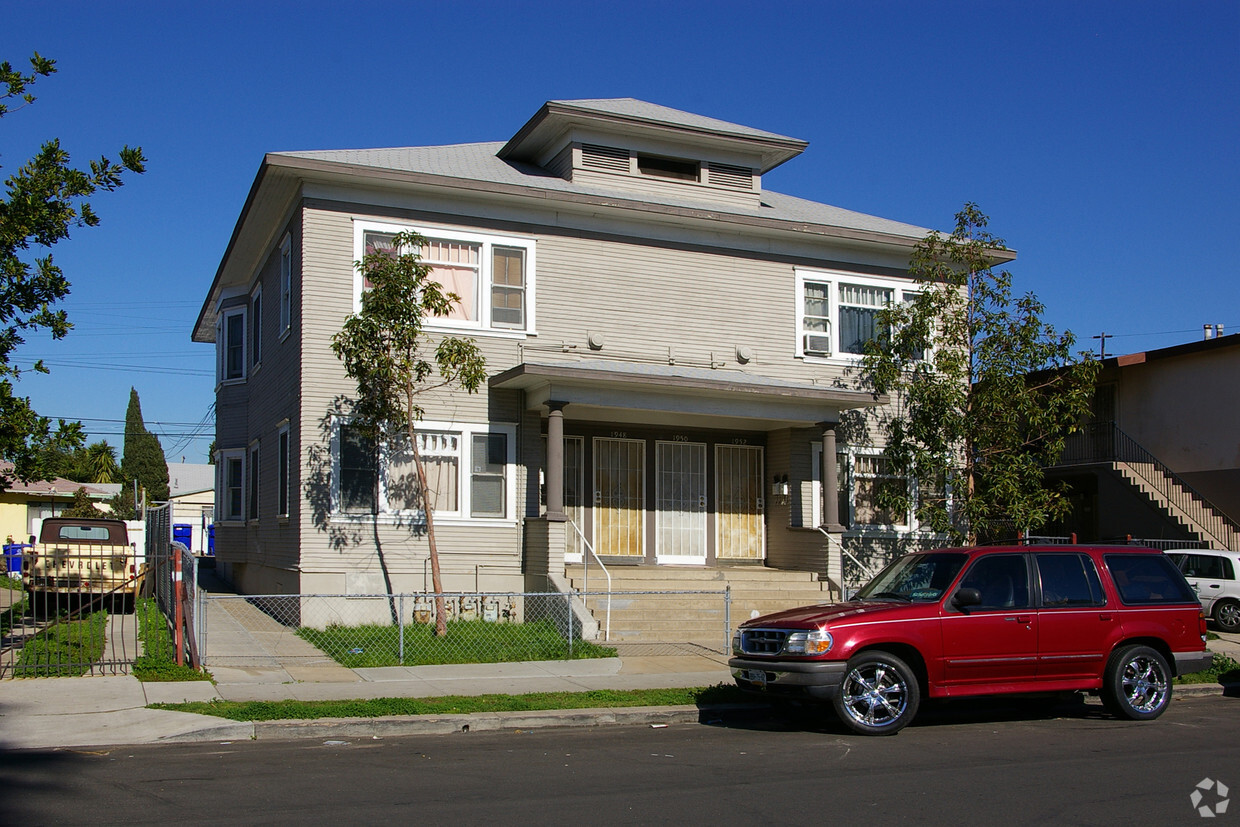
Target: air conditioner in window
{"x": 817, "y": 345}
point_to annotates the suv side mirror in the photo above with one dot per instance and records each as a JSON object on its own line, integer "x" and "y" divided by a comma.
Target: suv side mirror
{"x": 964, "y": 598}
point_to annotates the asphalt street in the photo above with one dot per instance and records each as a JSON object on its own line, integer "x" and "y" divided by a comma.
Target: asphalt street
{"x": 962, "y": 763}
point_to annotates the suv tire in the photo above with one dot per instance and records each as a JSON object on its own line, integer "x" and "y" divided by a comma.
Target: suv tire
{"x": 1137, "y": 683}
{"x": 1227, "y": 615}
{"x": 878, "y": 695}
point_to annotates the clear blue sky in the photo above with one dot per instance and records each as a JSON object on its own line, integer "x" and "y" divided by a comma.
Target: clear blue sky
{"x": 1101, "y": 138}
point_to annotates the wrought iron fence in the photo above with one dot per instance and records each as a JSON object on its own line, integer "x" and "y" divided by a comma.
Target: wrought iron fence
{"x": 361, "y": 631}
{"x": 78, "y": 613}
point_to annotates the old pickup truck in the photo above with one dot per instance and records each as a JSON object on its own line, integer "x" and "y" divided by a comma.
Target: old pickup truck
{"x": 79, "y": 563}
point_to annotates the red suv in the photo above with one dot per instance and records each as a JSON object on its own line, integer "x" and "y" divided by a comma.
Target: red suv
{"x": 1114, "y": 620}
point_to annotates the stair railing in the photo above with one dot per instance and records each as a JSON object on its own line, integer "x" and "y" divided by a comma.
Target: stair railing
{"x": 585, "y": 576}
{"x": 1105, "y": 442}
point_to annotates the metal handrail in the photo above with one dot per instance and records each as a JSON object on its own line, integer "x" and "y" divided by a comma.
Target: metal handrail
{"x": 585, "y": 576}
{"x": 860, "y": 566}
{"x": 1105, "y": 442}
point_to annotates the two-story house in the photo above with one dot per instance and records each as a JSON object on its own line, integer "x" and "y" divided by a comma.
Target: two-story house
{"x": 671, "y": 351}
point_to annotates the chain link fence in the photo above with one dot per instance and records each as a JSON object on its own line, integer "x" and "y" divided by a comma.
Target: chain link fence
{"x": 361, "y": 631}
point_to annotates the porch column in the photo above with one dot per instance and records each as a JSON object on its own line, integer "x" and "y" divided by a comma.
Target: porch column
{"x": 555, "y": 463}
{"x": 830, "y": 481}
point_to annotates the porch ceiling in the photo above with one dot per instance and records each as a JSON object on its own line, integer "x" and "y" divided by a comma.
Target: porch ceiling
{"x": 656, "y": 394}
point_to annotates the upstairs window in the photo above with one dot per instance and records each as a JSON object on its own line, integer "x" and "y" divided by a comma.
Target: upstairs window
{"x": 491, "y": 275}
{"x": 256, "y": 326}
{"x": 230, "y": 342}
{"x": 286, "y": 285}
{"x": 838, "y": 312}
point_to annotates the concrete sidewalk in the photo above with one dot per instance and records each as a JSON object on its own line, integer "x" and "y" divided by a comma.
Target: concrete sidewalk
{"x": 100, "y": 711}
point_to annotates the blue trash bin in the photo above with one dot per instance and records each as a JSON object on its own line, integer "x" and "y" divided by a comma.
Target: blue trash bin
{"x": 13, "y": 558}
{"x": 183, "y": 533}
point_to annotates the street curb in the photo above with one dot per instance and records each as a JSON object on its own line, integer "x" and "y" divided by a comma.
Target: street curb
{"x": 474, "y": 722}
{"x": 398, "y": 725}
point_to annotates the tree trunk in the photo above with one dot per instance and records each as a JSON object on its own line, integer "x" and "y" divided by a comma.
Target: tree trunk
{"x": 441, "y": 622}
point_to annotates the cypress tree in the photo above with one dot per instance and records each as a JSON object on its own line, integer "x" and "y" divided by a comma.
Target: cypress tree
{"x": 143, "y": 457}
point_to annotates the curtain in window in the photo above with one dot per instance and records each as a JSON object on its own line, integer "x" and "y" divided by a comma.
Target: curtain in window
{"x": 454, "y": 265}
{"x": 817, "y": 318}
{"x": 858, "y": 321}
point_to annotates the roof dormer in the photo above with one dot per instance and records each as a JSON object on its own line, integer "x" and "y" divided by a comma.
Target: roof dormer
{"x": 641, "y": 147}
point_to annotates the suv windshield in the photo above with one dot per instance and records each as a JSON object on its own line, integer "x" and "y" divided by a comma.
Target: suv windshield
{"x": 914, "y": 577}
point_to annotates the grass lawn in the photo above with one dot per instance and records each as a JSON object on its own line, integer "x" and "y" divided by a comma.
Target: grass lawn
{"x": 158, "y": 659}
{"x": 461, "y": 704}
{"x": 68, "y": 648}
{"x": 467, "y": 641}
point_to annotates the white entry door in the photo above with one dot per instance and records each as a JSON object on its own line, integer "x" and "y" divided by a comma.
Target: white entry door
{"x": 680, "y": 500}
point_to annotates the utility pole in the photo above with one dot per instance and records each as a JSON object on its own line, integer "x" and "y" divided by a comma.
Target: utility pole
{"x": 1102, "y": 347}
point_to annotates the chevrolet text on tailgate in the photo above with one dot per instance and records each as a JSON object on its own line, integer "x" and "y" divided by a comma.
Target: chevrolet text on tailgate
{"x": 1114, "y": 620}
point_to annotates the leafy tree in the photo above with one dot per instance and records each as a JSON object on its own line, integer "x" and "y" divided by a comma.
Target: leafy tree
{"x": 143, "y": 458}
{"x": 43, "y": 200}
{"x": 986, "y": 392}
{"x": 123, "y": 505}
{"x": 82, "y": 506}
{"x": 386, "y": 350}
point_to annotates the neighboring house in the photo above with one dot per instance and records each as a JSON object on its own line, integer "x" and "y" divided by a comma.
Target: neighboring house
{"x": 1160, "y": 458}
{"x": 25, "y": 504}
{"x": 191, "y": 495}
{"x": 671, "y": 351}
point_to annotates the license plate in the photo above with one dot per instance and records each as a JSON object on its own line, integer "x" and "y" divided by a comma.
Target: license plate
{"x": 754, "y": 676}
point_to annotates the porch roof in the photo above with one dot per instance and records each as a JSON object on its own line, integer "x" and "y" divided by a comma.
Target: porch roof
{"x": 659, "y": 394}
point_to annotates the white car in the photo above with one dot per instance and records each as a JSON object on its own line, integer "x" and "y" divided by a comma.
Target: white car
{"x": 1212, "y": 574}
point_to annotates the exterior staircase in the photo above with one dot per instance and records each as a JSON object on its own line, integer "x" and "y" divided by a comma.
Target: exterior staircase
{"x": 1181, "y": 504}
{"x": 1104, "y": 443}
{"x": 673, "y": 604}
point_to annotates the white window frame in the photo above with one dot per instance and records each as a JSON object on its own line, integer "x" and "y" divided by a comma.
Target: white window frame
{"x": 460, "y": 516}
{"x": 482, "y": 325}
{"x": 286, "y": 285}
{"x": 253, "y": 484}
{"x": 284, "y": 470}
{"x": 833, "y": 279}
{"x": 255, "y": 327}
{"x": 221, "y": 345}
{"x": 847, "y": 473}
{"x": 224, "y": 457}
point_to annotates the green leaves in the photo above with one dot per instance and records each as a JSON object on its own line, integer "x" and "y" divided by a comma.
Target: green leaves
{"x": 385, "y": 346}
{"x": 986, "y": 391}
{"x": 45, "y": 198}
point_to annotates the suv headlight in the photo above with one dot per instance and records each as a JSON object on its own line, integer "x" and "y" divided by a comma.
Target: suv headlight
{"x": 736, "y": 642}
{"x": 816, "y": 642}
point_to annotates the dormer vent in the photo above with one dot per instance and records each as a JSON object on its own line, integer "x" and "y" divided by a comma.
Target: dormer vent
{"x": 610, "y": 158}
{"x": 731, "y": 177}
{"x": 661, "y": 167}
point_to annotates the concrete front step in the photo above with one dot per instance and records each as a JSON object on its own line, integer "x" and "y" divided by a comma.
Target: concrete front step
{"x": 671, "y": 577}
{"x": 653, "y": 617}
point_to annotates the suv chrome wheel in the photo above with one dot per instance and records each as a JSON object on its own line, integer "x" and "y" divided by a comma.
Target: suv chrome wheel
{"x": 1138, "y": 683}
{"x": 879, "y": 694}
